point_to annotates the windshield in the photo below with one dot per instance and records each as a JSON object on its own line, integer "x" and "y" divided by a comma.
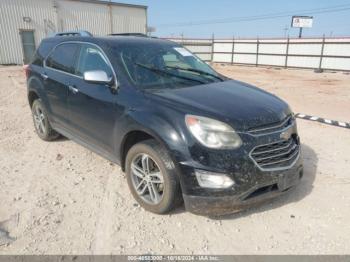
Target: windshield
{"x": 163, "y": 65}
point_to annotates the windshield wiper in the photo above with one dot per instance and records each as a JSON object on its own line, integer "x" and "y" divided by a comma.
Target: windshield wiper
{"x": 196, "y": 71}
{"x": 164, "y": 72}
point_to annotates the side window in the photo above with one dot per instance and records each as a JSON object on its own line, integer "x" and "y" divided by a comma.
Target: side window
{"x": 37, "y": 58}
{"x": 91, "y": 59}
{"x": 63, "y": 57}
{"x": 43, "y": 50}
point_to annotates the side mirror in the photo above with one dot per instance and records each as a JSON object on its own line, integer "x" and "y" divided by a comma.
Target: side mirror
{"x": 98, "y": 77}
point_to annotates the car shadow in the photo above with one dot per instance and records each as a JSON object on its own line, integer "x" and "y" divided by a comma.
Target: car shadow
{"x": 61, "y": 138}
{"x": 296, "y": 194}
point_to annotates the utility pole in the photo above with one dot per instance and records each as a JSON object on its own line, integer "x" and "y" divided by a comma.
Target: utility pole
{"x": 110, "y": 17}
{"x": 55, "y": 7}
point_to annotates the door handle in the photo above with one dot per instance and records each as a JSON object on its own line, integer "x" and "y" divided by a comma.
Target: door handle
{"x": 44, "y": 76}
{"x": 73, "y": 89}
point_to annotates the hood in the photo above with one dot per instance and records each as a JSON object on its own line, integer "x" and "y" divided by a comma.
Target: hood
{"x": 242, "y": 105}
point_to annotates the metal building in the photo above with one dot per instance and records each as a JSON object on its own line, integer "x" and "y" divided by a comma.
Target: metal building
{"x": 23, "y": 23}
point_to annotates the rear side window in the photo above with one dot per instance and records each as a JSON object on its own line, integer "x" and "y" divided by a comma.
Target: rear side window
{"x": 43, "y": 50}
{"x": 63, "y": 57}
{"x": 38, "y": 58}
{"x": 90, "y": 59}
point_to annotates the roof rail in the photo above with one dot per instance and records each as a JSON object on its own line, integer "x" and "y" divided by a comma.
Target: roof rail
{"x": 129, "y": 34}
{"x": 73, "y": 33}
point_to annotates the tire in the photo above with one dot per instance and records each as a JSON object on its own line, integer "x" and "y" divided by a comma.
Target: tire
{"x": 169, "y": 189}
{"x": 43, "y": 128}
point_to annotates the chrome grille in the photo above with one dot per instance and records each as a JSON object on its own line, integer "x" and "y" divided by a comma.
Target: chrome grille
{"x": 262, "y": 130}
{"x": 276, "y": 155}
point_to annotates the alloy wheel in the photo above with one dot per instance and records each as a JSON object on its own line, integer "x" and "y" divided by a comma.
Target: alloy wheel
{"x": 39, "y": 120}
{"x": 147, "y": 179}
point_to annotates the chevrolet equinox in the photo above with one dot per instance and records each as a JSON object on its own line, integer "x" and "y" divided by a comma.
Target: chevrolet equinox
{"x": 180, "y": 130}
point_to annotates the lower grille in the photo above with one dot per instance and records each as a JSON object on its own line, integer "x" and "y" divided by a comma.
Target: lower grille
{"x": 262, "y": 190}
{"x": 280, "y": 154}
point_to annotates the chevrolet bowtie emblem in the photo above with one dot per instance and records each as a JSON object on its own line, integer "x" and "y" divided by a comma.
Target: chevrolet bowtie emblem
{"x": 286, "y": 134}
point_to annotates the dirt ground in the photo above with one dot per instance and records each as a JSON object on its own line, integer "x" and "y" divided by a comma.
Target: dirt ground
{"x": 59, "y": 198}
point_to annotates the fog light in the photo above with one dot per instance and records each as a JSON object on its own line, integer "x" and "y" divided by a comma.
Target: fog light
{"x": 213, "y": 180}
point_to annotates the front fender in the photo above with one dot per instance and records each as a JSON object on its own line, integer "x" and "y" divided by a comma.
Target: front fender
{"x": 161, "y": 124}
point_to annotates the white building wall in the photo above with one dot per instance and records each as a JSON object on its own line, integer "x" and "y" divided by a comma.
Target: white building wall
{"x": 11, "y": 22}
{"x": 129, "y": 20}
{"x": 74, "y": 15}
{"x": 63, "y": 15}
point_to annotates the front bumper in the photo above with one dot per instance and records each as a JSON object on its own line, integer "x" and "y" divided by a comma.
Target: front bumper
{"x": 221, "y": 205}
{"x": 253, "y": 184}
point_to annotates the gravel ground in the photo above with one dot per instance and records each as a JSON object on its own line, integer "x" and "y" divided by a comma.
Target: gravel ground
{"x": 59, "y": 198}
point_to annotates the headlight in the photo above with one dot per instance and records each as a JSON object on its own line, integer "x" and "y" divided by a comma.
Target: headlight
{"x": 212, "y": 133}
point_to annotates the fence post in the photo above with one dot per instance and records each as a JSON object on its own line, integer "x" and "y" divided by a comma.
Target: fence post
{"x": 212, "y": 48}
{"x": 287, "y": 51}
{"x": 257, "y": 52}
{"x": 233, "y": 49}
{"x": 321, "y": 56}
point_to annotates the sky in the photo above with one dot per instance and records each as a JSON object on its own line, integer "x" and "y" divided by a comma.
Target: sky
{"x": 177, "y": 17}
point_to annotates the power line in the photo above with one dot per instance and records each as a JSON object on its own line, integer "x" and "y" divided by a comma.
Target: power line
{"x": 329, "y": 9}
{"x": 265, "y": 16}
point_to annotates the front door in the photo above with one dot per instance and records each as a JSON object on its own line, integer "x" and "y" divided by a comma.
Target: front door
{"x": 92, "y": 109}
{"x": 28, "y": 45}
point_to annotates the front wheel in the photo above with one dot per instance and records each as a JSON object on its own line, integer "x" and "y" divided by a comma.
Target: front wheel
{"x": 152, "y": 177}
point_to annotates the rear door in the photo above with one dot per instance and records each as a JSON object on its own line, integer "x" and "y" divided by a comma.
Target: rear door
{"x": 92, "y": 107}
{"x": 58, "y": 75}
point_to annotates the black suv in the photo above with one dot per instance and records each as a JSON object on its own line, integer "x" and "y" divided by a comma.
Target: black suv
{"x": 180, "y": 130}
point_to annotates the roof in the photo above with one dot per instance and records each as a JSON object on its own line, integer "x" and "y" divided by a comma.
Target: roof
{"x": 110, "y": 3}
{"x": 110, "y": 40}
{"x": 132, "y": 39}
